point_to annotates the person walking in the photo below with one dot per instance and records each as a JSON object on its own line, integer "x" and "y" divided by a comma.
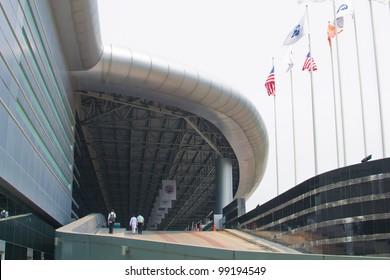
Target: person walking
{"x": 133, "y": 224}
{"x": 111, "y": 221}
{"x": 140, "y": 221}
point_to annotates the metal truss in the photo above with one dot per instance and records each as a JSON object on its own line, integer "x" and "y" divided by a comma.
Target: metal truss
{"x": 126, "y": 146}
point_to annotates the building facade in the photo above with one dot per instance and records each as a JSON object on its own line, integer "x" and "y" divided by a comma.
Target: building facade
{"x": 51, "y": 49}
{"x": 36, "y": 124}
{"x": 342, "y": 212}
{"x": 51, "y": 63}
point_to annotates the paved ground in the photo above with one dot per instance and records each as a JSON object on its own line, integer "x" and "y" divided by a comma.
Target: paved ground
{"x": 225, "y": 239}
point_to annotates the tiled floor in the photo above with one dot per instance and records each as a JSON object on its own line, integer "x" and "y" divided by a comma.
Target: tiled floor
{"x": 225, "y": 239}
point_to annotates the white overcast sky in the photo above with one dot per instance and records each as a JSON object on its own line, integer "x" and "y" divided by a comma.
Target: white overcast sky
{"x": 235, "y": 41}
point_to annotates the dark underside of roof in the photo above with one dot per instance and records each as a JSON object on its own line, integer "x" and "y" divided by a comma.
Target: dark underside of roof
{"x": 126, "y": 146}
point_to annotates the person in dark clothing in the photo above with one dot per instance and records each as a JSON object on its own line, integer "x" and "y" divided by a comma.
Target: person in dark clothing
{"x": 111, "y": 221}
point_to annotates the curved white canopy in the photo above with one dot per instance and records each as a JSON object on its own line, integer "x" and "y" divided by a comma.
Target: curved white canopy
{"x": 107, "y": 68}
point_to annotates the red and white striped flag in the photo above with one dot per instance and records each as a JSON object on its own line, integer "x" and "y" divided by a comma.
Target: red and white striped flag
{"x": 270, "y": 83}
{"x": 309, "y": 63}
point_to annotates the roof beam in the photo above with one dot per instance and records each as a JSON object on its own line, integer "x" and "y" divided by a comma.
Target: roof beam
{"x": 107, "y": 96}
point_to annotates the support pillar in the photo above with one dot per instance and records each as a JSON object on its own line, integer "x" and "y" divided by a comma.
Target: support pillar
{"x": 224, "y": 184}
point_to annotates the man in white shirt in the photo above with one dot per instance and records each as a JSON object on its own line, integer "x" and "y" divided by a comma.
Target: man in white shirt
{"x": 133, "y": 224}
{"x": 140, "y": 221}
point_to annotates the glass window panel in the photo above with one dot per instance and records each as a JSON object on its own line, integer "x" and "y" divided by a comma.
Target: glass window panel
{"x": 379, "y": 206}
{"x": 368, "y": 227}
{"x": 379, "y": 226}
{"x": 367, "y": 208}
{"x": 365, "y": 188}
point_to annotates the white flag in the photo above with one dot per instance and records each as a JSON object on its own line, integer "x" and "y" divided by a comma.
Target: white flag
{"x": 166, "y": 203}
{"x": 288, "y": 60}
{"x": 383, "y": 1}
{"x": 155, "y": 219}
{"x": 296, "y": 33}
{"x": 152, "y": 227}
{"x": 159, "y": 212}
{"x": 344, "y": 8}
{"x": 306, "y": 1}
{"x": 168, "y": 190}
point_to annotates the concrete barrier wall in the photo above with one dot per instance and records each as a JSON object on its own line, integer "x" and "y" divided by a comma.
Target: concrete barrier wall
{"x": 72, "y": 244}
{"x": 89, "y": 224}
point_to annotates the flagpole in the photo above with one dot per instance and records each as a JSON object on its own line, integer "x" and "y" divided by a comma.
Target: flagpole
{"x": 293, "y": 124}
{"x": 378, "y": 82}
{"x": 276, "y": 141}
{"x": 341, "y": 93}
{"x": 360, "y": 87}
{"x": 334, "y": 102}
{"x": 312, "y": 100}
{"x": 276, "y": 149}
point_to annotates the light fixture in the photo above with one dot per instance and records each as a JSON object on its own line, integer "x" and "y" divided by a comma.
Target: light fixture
{"x": 124, "y": 250}
{"x": 367, "y": 158}
{"x": 57, "y": 241}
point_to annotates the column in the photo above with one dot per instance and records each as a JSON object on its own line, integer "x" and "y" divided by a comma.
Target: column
{"x": 224, "y": 184}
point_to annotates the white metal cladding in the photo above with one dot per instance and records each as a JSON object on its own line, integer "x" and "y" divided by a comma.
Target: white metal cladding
{"x": 79, "y": 30}
{"x": 125, "y": 71}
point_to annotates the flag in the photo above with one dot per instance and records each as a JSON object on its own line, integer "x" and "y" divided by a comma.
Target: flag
{"x": 166, "y": 203}
{"x": 332, "y": 31}
{"x": 270, "y": 83}
{"x": 384, "y": 2}
{"x": 288, "y": 59}
{"x": 344, "y": 8}
{"x": 296, "y": 33}
{"x": 305, "y": 1}
{"x": 168, "y": 190}
{"x": 309, "y": 63}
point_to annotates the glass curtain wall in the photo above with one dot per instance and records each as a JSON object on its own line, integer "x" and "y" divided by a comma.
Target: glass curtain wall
{"x": 343, "y": 212}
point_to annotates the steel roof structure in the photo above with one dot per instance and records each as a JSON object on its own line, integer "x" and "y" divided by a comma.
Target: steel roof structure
{"x": 142, "y": 119}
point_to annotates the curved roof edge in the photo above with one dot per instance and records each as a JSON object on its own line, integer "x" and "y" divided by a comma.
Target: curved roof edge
{"x": 124, "y": 71}
{"x": 79, "y": 30}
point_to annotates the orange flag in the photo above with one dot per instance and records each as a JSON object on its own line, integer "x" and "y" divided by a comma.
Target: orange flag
{"x": 332, "y": 31}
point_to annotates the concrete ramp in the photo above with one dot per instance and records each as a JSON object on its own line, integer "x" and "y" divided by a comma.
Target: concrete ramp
{"x": 88, "y": 239}
{"x": 225, "y": 239}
